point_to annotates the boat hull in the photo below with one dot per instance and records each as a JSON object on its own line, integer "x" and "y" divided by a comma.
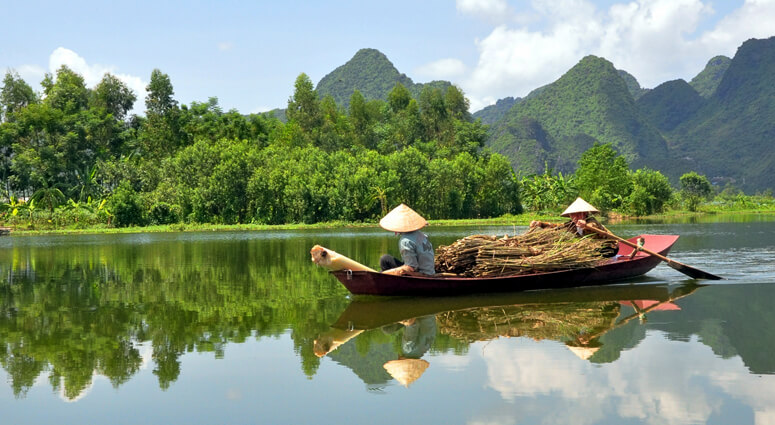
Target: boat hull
{"x": 608, "y": 272}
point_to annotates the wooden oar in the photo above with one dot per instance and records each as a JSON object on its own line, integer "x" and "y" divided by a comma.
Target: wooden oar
{"x": 683, "y": 268}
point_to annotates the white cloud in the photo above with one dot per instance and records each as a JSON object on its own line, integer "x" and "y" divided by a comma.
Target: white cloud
{"x": 31, "y": 74}
{"x": 495, "y": 11}
{"x": 442, "y": 69}
{"x": 585, "y": 393}
{"x": 225, "y": 46}
{"x": 655, "y": 40}
{"x": 93, "y": 73}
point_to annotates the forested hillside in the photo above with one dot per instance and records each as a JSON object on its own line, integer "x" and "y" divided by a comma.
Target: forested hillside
{"x": 720, "y": 124}
{"x": 670, "y": 104}
{"x": 709, "y": 78}
{"x": 731, "y": 138}
{"x": 493, "y": 113}
{"x": 590, "y": 103}
{"x": 373, "y": 75}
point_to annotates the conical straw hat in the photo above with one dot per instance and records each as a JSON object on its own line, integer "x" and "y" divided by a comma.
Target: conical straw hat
{"x": 402, "y": 219}
{"x": 584, "y": 353}
{"x": 406, "y": 371}
{"x": 579, "y": 205}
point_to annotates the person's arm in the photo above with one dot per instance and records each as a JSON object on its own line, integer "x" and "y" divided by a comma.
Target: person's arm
{"x": 544, "y": 224}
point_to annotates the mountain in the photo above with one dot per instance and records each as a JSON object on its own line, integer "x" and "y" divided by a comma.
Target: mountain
{"x": 493, "y": 113}
{"x": 708, "y": 79}
{"x": 371, "y": 73}
{"x": 591, "y": 102}
{"x": 632, "y": 84}
{"x": 670, "y": 104}
{"x": 730, "y": 139}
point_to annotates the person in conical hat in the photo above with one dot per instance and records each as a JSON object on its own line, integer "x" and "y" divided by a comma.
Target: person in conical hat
{"x": 417, "y": 257}
{"x": 579, "y": 212}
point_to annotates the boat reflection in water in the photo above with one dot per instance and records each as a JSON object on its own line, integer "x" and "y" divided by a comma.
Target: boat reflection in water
{"x": 396, "y": 333}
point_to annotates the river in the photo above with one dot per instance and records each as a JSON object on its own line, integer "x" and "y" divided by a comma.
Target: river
{"x": 240, "y": 327}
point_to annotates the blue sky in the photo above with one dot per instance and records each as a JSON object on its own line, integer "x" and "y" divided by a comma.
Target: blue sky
{"x": 248, "y": 54}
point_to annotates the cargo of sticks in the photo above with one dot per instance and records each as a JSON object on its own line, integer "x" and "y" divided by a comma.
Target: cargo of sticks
{"x": 537, "y": 250}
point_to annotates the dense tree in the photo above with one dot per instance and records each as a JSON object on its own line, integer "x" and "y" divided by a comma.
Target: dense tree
{"x": 304, "y": 108}
{"x": 651, "y": 192}
{"x": 68, "y": 93}
{"x": 602, "y": 177}
{"x": 197, "y": 163}
{"x": 15, "y": 95}
{"x": 114, "y": 96}
{"x": 694, "y": 188}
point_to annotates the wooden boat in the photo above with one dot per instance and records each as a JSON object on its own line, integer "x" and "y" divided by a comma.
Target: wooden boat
{"x": 608, "y": 271}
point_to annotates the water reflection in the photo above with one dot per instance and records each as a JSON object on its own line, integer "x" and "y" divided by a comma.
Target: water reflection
{"x": 578, "y": 318}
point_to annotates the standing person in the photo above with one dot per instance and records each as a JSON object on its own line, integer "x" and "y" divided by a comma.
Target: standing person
{"x": 417, "y": 256}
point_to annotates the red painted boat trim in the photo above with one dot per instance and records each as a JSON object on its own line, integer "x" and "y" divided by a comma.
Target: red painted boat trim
{"x": 609, "y": 271}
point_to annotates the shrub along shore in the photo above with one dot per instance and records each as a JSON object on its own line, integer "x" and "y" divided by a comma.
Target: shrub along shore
{"x": 505, "y": 220}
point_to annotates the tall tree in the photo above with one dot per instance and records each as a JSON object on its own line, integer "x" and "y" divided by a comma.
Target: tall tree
{"x": 68, "y": 93}
{"x": 113, "y": 95}
{"x": 304, "y": 107}
{"x": 161, "y": 129}
{"x": 15, "y": 95}
{"x": 159, "y": 99}
{"x": 603, "y": 177}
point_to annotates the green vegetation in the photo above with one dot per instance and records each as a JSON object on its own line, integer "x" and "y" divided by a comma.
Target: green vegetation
{"x": 670, "y": 104}
{"x": 590, "y": 103}
{"x": 708, "y": 80}
{"x": 632, "y": 84}
{"x": 493, "y": 113}
{"x": 372, "y": 74}
{"x": 76, "y": 159}
{"x": 720, "y": 124}
{"x": 604, "y": 179}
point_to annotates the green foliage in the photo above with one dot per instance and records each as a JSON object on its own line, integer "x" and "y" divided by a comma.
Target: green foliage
{"x": 548, "y": 192}
{"x": 650, "y": 194}
{"x": 633, "y": 86}
{"x": 493, "y": 113}
{"x": 372, "y": 74}
{"x": 126, "y": 205}
{"x": 694, "y": 189}
{"x": 602, "y": 177}
{"x": 114, "y": 96}
{"x": 709, "y": 78}
{"x": 14, "y": 96}
{"x": 730, "y": 137}
{"x": 590, "y": 103}
{"x": 670, "y": 104}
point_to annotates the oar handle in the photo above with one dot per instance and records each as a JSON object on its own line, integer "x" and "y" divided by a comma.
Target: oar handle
{"x": 626, "y": 242}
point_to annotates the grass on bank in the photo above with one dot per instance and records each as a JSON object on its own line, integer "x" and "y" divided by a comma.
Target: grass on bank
{"x": 508, "y": 219}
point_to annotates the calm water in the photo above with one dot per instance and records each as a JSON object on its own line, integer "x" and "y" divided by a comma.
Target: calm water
{"x": 241, "y": 328}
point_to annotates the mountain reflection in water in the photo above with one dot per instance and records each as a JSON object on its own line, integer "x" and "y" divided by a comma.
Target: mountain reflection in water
{"x": 579, "y": 318}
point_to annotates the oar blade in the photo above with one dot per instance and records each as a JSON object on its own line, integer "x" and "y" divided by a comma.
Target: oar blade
{"x": 692, "y": 272}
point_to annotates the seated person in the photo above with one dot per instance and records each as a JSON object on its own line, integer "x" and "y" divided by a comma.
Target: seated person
{"x": 417, "y": 257}
{"x": 580, "y": 219}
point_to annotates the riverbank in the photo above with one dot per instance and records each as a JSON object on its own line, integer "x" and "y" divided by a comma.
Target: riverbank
{"x": 515, "y": 220}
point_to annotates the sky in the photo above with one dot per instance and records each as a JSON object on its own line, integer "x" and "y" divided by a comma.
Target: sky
{"x": 249, "y": 53}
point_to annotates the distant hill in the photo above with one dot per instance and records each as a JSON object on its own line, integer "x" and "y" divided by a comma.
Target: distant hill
{"x": 730, "y": 139}
{"x": 493, "y": 113}
{"x": 371, "y": 73}
{"x": 591, "y": 102}
{"x": 632, "y": 84}
{"x": 670, "y": 104}
{"x": 709, "y": 78}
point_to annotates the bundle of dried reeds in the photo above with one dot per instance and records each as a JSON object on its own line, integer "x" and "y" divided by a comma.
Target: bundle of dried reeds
{"x": 536, "y": 250}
